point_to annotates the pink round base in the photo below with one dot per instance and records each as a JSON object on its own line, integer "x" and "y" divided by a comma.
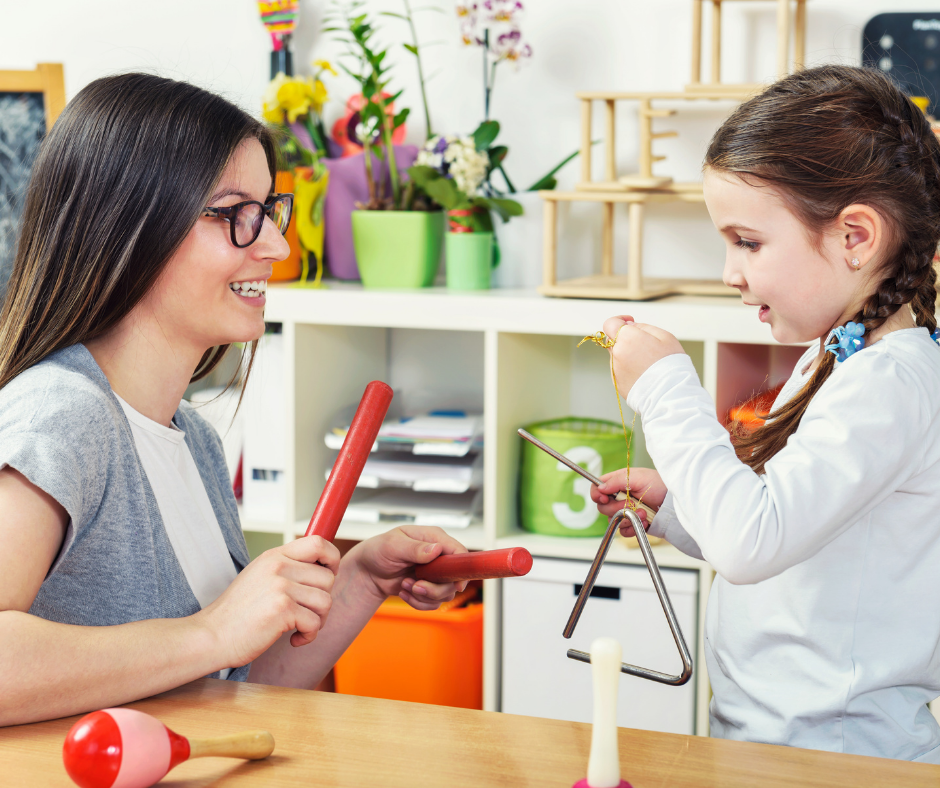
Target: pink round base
{"x": 584, "y": 784}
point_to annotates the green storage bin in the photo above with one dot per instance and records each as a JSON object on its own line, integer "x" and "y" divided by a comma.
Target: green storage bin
{"x": 553, "y": 499}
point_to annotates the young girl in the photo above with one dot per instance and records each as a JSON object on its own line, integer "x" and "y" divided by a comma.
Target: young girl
{"x": 823, "y": 626}
{"x": 149, "y": 231}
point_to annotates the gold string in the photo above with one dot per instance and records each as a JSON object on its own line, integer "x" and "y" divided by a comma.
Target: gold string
{"x": 602, "y": 340}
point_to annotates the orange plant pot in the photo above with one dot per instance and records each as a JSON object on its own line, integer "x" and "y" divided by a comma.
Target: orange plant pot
{"x": 289, "y": 268}
{"x": 433, "y": 656}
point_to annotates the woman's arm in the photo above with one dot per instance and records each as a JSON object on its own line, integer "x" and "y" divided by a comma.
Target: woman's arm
{"x": 369, "y": 573}
{"x": 48, "y": 669}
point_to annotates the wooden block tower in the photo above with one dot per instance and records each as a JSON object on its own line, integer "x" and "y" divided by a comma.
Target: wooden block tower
{"x": 641, "y": 188}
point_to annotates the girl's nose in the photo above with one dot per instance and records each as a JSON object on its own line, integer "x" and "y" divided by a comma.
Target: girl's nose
{"x": 271, "y": 244}
{"x": 732, "y": 275}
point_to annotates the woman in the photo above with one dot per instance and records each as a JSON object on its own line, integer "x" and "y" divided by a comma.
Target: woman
{"x": 149, "y": 231}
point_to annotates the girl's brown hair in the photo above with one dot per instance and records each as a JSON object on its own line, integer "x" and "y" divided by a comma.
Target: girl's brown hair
{"x": 823, "y": 139}
{"x": 119, "y": 182}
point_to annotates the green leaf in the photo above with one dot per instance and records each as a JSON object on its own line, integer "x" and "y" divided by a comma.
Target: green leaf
{"x": 422, "y": 175}
{"x": 400, "y": 118}
{"x": 545, "y": 180}
{"x": 497, "y": 153}
{"x": 411, "y": 48}
{"x": 446, "y": 194}
{"x": 392, "y": 13}
{"x": 485, "y": 133}
{"x": 505, "y": 208}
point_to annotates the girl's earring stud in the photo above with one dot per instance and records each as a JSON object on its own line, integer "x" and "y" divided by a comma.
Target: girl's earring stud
{"x": 855, "y": 263}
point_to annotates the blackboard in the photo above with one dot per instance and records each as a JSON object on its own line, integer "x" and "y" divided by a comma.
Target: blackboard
{"x": 22, "y": 127}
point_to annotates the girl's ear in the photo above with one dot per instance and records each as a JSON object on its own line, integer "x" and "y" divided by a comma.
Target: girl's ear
{"x": 862, "y": 234}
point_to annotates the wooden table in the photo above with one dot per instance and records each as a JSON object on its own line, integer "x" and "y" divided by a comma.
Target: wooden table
{"x": 350, "y": 742}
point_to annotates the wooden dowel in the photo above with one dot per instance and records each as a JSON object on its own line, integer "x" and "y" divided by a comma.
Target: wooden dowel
{"x": 696, "y": 42}
{"x": 799, "y": 37}
{"x": 611, "y": 173}
{"x": 549, "y": 242}
{"x": 586, "y": 107}
{"x": 783, "y": 37}
{"x": 607, "y": 240}
{"x": 716, "y": 42}
{"x": 248, "y": 744}
{"x": 646, "y": 139}
{"x": 635, "y": 256}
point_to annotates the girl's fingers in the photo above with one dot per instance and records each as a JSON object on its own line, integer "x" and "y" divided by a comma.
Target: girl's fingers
{"x": 419, "y": 603}
{"x": 433, "y": 592}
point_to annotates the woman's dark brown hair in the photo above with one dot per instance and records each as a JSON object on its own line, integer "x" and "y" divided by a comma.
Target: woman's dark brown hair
{"x": 823, "y": 139}
{"x": 119, "y": 182}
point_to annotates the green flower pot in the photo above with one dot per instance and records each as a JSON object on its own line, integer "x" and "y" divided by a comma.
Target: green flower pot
{"x": 397, "y": 248}
{"x": 469, "y": 260}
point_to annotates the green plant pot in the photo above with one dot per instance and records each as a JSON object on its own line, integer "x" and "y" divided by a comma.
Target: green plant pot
{"x": 397, "y": 248}
{"x": 469, "y": 260}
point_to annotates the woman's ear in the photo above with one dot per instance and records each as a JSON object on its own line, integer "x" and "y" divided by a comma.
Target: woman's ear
{"x": 861, "y": 234}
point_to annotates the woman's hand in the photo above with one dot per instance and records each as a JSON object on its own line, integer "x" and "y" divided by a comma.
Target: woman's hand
{"x": 645, "y": 485}
{"x": 637, "y": 347}
{"x": 282, "y": 590}
{"x": 390, "y": 558}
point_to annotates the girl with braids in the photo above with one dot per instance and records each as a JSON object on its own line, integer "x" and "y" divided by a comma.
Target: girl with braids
{"x": 823, "y": 626}
{"x": 149, "y": 231}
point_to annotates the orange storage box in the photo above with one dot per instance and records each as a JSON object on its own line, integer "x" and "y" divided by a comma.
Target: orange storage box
{"x": 430, "y": 656}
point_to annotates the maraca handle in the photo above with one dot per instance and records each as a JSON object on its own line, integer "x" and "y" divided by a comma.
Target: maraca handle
{"x": 248, "y": 744}
{"x": 485, "y": 565}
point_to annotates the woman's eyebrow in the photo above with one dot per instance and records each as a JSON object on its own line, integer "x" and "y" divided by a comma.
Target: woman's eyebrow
{"x": 228, "y": 192}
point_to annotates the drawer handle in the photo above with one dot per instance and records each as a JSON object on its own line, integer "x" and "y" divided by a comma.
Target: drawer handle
{"x": 601, "y": 592}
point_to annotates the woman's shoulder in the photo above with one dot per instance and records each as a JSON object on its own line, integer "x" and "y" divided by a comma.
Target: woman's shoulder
{"x": 66, "y": 392}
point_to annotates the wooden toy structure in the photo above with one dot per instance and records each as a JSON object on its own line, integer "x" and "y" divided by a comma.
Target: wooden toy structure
{"x": 639, "y": 189}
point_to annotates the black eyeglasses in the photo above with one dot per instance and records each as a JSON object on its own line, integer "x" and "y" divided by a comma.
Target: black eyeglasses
{"x": 247, "y": 218}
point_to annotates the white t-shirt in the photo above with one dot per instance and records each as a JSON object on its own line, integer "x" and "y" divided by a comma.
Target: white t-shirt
{"x": 823, "y": 626}
{"x": 188, "y": 518}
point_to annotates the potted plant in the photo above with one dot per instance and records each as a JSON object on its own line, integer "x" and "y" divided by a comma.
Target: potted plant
{"x": 293, "y": 106}
{"x": 455, "y": 173}
{"x": 397, "y": 233}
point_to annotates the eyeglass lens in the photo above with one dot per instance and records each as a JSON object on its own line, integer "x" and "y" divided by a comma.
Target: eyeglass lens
{"x": 249, "y": 219}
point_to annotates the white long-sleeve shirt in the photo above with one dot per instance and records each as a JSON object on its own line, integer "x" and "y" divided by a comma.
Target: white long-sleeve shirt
{"x": 823, "y": 626}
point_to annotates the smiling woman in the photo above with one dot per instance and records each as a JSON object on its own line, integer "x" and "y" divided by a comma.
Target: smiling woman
{"x": 149, "y": 232}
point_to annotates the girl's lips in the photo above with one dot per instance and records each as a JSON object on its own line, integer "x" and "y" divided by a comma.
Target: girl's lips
{"x": 763, "y": 312}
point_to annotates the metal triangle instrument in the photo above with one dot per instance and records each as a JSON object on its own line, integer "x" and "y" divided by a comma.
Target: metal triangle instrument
{"x": 591, "y": 579}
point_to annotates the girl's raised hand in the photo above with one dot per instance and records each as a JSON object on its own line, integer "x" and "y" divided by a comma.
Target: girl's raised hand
{"x": 645, "y": 485}
{"x": 390, "y": 558}
{"x": 282, "y": 590}
{"x": 637, "y": 347}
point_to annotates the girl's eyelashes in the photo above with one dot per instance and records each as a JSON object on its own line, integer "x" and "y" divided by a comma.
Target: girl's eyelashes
{"x": 751, "y": 246}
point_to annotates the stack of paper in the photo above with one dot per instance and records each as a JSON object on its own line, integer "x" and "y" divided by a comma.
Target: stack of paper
{"x": 440, "y": 474}
{"x": 451, "y": 435}
{"x": 400, "y": 506}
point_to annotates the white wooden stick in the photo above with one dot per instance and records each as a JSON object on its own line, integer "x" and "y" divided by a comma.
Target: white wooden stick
{"x": 604, "y": 763}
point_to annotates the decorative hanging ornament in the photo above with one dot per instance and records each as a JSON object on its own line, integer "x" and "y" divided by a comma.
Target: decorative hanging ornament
{"x": 280, "y": 18}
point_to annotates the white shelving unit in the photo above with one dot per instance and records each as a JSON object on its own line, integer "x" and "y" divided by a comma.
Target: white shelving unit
{"x": 512, "y": 354}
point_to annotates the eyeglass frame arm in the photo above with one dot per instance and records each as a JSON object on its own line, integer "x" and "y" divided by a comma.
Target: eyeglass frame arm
{"x": 594, "y": 571}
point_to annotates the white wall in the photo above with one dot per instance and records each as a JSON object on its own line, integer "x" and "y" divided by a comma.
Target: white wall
{"x": 580, "y": 45}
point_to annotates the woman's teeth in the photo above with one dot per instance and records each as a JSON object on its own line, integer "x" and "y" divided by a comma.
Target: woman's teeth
{"x": 249, "y": 289}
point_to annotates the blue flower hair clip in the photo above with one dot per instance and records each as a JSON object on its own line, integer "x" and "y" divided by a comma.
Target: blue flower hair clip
{"x": 935, "y": 336}
{"x": 848, "y": 340}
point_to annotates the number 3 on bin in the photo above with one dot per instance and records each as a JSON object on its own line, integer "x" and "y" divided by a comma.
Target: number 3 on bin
{"x": 589, "y": 459}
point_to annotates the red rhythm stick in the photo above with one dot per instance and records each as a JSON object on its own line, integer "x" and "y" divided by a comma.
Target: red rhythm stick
{"x": 510, "y": 562}
{"x": 351, "y": 460}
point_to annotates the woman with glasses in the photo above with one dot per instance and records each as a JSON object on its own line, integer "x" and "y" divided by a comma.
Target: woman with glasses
{"x": 149, "y": 231}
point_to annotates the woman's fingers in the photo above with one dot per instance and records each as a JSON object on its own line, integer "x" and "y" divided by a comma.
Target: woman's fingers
{"x": 313, "y": 550}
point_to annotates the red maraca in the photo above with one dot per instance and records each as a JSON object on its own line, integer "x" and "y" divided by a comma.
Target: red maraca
{"x": 123, "y": 748}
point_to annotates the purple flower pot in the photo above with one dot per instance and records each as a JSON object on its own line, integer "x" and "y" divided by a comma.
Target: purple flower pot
{"x": 348, "y": 186}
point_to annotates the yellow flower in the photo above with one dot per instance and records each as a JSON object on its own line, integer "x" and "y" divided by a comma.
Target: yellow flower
{"x": 295, "y": 97}
{"x": 325, "y": 65}
{"x": 320, "y": 95}
{"x": 271, "y": 108}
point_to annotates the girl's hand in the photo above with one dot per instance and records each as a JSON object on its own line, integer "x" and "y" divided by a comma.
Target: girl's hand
{"x": 645, "y": 484}
{"x": 389, "y": 560}
{"x": 282, "y": 590}
{"x": 638, "y": 346}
